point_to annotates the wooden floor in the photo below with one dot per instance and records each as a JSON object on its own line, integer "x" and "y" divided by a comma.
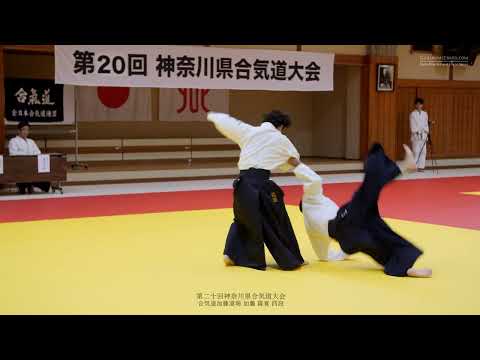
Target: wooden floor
{"x": 134, "y": 171}
{"x": 143, "y": 171}
{"x": 178, "y": 164}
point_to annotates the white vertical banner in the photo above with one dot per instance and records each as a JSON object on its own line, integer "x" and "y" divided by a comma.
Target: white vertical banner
{"x": 191, "y": 104}
{"x": 114, "y": 104}
{"x": 43, "y": 163}
{"x": 192, "y": 67}
{"x": 1, "y": 164}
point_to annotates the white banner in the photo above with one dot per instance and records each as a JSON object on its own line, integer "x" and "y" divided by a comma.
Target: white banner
{"x": 191, "y": 104}
{"x": 167, "y": 66}
{"x": 43, "y": 163}
{"x": 114, "y": 104}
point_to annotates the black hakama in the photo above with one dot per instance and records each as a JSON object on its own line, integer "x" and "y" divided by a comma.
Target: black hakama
{"x": 44, "y": 186}
{"x": 261, "y": 218}
{"x": 358, "y": 226}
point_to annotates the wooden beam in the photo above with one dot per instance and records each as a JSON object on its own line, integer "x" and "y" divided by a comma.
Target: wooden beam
{"x": 364, "y": 101}
{"x": 359, "y": 60}
{"x": 36, "y": 49}
{"x": 438, "y": 83}
{"x": 2, "y": 103}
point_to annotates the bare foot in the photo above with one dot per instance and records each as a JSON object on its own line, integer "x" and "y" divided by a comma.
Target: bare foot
{"x": 420, "y": 273}
{"x": 227, "y": 261}
{"x": 409, "y": 160}
{"x": 305, "y": 263}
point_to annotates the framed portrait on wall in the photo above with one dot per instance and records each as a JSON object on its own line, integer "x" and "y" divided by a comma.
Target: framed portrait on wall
{"x": 385, "y": 77}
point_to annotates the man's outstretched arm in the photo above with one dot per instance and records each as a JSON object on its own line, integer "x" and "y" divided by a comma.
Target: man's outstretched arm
{"x": 312, "y": 181}
{"x": 231, "y": 128}
{"x": 313, "y": 194}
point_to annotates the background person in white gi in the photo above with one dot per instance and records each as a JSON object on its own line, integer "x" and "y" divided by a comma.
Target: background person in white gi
{"x": 419, "y": 130}
{"x": 21, "y": 145}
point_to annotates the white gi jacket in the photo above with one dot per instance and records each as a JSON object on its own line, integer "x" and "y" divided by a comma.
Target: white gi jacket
{"x": 20, "y": 146}
{"x": 262, "y": 147}
{"x": 419, "y": 125}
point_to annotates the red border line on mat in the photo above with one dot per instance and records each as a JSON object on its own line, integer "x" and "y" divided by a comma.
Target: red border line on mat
{"x": 435, "y": 201}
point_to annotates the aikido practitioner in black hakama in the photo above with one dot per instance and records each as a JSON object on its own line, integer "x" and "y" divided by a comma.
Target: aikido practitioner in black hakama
{"x": 358, "y": 226}
{"x": 260, "y": 217}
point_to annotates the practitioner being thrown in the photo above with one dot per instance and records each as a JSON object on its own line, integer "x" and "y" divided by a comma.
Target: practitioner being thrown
{"x": 259, "y": 211}
{"x": 357, "y": 225}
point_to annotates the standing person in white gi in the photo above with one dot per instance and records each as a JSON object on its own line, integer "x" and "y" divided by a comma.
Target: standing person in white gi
{"x": 260, "y": 217}
{"x": 21, "y": 145}
{"x": 419, "y": 133}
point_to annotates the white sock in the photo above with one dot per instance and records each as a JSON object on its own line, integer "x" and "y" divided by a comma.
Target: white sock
{"x": 336, "y": 255}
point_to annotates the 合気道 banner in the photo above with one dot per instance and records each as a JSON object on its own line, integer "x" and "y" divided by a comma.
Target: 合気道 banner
{"x": 194, "y": 67}
{"x": 40, "y": 102}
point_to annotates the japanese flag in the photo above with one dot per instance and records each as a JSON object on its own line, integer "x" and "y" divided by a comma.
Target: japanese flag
{"x": 114, "y": 104}
{"x": 191, "y": 104}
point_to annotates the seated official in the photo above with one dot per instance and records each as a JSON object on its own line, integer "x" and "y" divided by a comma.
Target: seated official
{"x": 22, "y": 145}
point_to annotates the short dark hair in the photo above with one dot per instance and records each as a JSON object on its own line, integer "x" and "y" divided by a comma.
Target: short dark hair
{"x": 300, "y": 206}
{"x": 277, "y": 118}
{"x": 22, "y": 124}
{"x": 418, "y": 101}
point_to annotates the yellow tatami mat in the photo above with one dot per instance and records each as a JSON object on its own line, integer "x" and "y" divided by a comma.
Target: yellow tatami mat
{"x": 171, "y": 263}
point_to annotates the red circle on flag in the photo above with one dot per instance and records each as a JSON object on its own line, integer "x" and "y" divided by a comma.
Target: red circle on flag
{"x": 113, "y": 97}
